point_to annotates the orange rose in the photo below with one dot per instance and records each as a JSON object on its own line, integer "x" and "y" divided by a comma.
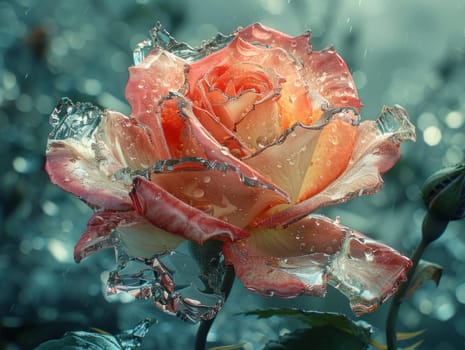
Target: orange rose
{"x": 239, "y": 141}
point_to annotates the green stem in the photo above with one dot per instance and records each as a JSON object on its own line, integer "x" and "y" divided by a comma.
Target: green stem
{"x": 397, "y": 299}
{"x": 204, "y": 327}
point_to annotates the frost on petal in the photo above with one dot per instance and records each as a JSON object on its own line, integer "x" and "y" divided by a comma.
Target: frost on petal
{"x": 171, "y": 214}
{"x": 216, "y": 188}
{"x": 376, "y": 150}
{"x": 303, "y": 257}
{"x": 108, "y": 229}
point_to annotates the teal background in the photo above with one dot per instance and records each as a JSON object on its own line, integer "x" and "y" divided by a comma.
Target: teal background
{"x": 410, "y": 53}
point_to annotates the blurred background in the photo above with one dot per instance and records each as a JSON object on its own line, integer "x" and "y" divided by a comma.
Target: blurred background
{"x": 408, "y": 53}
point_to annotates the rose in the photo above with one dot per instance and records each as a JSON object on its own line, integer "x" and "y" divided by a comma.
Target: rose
{"x": 240, "y": 141}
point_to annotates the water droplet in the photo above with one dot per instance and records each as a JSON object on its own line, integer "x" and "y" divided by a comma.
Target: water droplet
{"x": 337, "y": 221}
{"x": 369, "y": 254}
{"x": 198, "y": 193}
{"x": 290, "y": 161}
{"x": 302, "y": 245}
{"x": 207, "y": 179}
{"x": 334, "y": 139}
{"x": 96, "y": 221}
{"x": 262, "y": 141}
{"x": 225, "y": 151}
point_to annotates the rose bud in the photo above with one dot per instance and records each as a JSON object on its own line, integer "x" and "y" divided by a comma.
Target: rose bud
{"x": 444, "y": 196}
{"x": 444, "y": 193}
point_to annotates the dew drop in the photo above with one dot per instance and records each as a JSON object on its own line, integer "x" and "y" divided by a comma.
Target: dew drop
{"x": 262, "y": 142}
{"x": 334, "y": 139}
{"x": 198, "y": 193}
{"x": 290, "y": 161}
{"x": 207, "y": 179}
{"x": 368, "y": 254}
{"x": 96, "y": 221}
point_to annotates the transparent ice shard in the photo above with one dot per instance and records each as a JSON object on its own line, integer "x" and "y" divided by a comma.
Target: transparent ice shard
{"x": 394, "y": 120}
{"x": 74, "y": 120}
{"x": 160, "y": 38}
{"x": 132, "y": 338}
{"x": 177, "y": 282}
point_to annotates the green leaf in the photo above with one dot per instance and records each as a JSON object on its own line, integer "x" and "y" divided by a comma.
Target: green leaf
{"x": 330, "y": 330}
{"x": 324, "y": 338}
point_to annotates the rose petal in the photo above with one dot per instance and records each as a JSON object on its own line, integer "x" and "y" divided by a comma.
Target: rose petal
{"x": 332, "y": 154}
{"x": 87, "y": 173}
{"x": 169, "y": 213}
{"x": 376, "y": 150}
{"x": 212, "y": 149}
{"x": 326, "y": 73}
{"x": 303, "y": 257}
{"x": 215, "y": 188}
{"x": 306, "y": 159}
{"x": 295, "y": 103}
{"x": 154, "y": 78}
{"x": 257, "y": 33}
{"x": 128, "y": 141}
{"x": 140, "y": 238}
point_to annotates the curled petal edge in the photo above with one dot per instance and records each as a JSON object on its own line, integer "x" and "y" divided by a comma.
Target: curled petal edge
{"x": 171, "y": 214}
{"x": 304, "y": 257}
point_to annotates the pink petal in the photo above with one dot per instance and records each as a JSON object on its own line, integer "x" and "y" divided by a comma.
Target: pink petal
{"x": 295, "y": 102}
{"x": 154, "y": 78}
{"x": 108, "y": 229}
{"x": 169, "y": 213}
{"x": 76, "y": 168}
{"x": 327, "y": 73}
{"x": 259, "y": 34}
{"x": 305, "y": 256}
{"x": 218, "y": 189}
{"x": 376, "y": 150}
